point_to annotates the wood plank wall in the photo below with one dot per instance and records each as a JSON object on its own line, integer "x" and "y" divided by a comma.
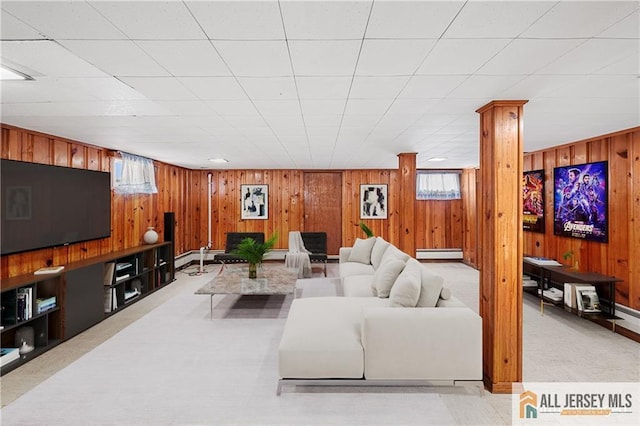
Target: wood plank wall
{"x": 619, "y": 257}
{"x": 184, "y": 192}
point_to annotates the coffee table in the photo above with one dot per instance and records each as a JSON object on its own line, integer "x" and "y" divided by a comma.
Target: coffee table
{"x": 271, "y": 280}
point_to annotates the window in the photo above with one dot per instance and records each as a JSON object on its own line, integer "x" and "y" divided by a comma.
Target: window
{"x": 438, "y": 185}
{"x": 133, "y": 175}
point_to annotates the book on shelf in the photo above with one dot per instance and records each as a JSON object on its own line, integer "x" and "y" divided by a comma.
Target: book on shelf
{"x": 49, "y": 270}
{"x": 541, "y": 261}
{"x": 45, "y": 304}
{"x": 24, "y": 303}
{"x": 8, "y": 355}
{"x": 123, "y": 265}
{"x": 122, "y": 277}
{"x": 109, "y": 272}
{"x": 110, "y": 300}
{"x": 570, "y": 294}
{"x": 131, "y": 294}
{"x": 552, "y": 294}
{"x": 587, "y": 299}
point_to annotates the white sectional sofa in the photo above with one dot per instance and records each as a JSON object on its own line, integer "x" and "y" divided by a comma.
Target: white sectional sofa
{"x": 396, "y": 325}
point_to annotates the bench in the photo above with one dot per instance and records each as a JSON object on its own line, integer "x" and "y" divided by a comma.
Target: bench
{"x": 233, "y": 240}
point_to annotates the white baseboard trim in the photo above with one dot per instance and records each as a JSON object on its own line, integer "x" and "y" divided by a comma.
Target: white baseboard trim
{"x": 438, "y": 254}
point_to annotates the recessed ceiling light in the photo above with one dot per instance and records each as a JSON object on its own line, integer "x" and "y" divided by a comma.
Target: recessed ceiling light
{"x": 218, "y": 160}
{"x": 437, "y": 159}
{"x": 9, "y": 74}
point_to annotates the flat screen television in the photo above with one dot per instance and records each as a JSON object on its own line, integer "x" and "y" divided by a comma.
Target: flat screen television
{"x": 47, "y": 206}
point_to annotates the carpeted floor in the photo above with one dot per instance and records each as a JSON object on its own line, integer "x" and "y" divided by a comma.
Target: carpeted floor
{"x": 163, "y": 361}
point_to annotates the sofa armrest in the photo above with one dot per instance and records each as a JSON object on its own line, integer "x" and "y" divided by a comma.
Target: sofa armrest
{"x": 344, "y": 254}
{"x": 422, "y": 343}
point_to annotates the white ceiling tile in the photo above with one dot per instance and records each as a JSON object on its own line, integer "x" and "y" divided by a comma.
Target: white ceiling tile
{"x": 593, "y": 55}
{"x": 187, "y": 108}
{"x": 159, "y": 20}
{"x": 377, "y": 87}
{"x": 323, "y": 87}
{"x": 116, "y": 57}
{"x": 411, "y": 19}
{"x": 160, "y": 88}
{"x": 233, "y": 107}
{"x": 363, "y": 121}
{"x": 600, "y": 86}
{"x": 326, "y": 57}
{"x": 272, "y": 88}
{"x": 537, "y": 85}
{"x": 323, "y": 107}
{"x": 63, "y": 19}
{"x": 44, "y": 89}
{"x": 286, "y": 124}
{"x": 255, "y": 58}
{"x": 214, "y": 88}
{"x": 186, "y": 58}
{"x": 579, "y": 19}
{"x": 460, "y": 56}
{"x": 412, "y": 106}
{"x": 241, "y": 20}
{"x": 12, "y": 28}
{"x": 325, "y": 20}
{"x": 527, "y": 56}
{"x": 433, "y": 86}
{"x": 628, "y": 65}
{"x": 626, "y": 28}
{"x": 46, "y": 58}
{"x": 368, "y": 106}
{"x": 284, "y": 107}
{"x": 238, "y": 120}
{"x": 322, "y": 120}
{"x": 82, "y": 109}
{"x": 499, "y": 19}
{"x": 483, "y": 86}
{"x": 392, "y": 57}
{"x": 103, "y": 88}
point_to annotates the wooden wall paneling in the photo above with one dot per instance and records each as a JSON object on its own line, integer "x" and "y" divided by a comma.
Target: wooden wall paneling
{"x": 11, "y": 144}
{"x": 407, "y": 180}
{"x": 634, "y": 214}
{"x": 469, "y": 219}
{"x": 393, "y": 229}
{"x": 42, "y": 149}
{"x": 78, "y": 156}
{"x": 61, "y": 153}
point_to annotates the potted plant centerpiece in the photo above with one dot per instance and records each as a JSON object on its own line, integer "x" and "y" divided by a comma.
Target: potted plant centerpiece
{"x": 253, "y": 252}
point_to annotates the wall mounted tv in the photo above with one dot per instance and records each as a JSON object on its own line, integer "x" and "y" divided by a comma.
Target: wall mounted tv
{"x": 48, "y": 206}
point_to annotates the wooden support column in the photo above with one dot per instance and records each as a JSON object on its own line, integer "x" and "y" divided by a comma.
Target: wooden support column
{"x": 407, "y": 202}
{"x": 500, "y": 225}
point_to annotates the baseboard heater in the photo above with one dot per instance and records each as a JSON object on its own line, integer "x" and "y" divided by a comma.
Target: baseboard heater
{"x": 375, "y": 383}
{"x": 438, "y": 254}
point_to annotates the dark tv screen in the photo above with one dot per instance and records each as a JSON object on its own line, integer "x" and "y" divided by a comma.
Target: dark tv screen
{"x": 48, "y": 206}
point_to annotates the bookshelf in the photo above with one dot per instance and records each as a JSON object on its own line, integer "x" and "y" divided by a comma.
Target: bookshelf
{"x": 55, "y": 307}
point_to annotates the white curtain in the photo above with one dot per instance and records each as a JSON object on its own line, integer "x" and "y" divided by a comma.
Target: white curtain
{"x": 138, "y": 176}
{"x": 438, "y": 186}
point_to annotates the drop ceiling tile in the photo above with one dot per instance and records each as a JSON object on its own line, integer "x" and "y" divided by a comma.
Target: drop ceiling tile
{"x": 324, "y": 57}
{"x": 12, "y": 28}
{"x": 46, "y": 58}
{"x": 601, "y": 86}
{"x": 629, "y": 65}
{"x": 579, "y": 19}
{"x": 500, "y": 19}
{"x": 392, "y": 57}
{"x": 484, "y": 86}
{"x": 186, "y": 58}
{"x": 527, "y": 56}
{"x": 460, "y": 106}
{"x": 377, "y": 87}
{"x": 214, "y": 88}
{"x": 412, "y": 106}
{"x": 323, "y": 87}
{"x": 187, "y": 108}
{"x": 160, "y": 88}
{"x": 325, "y": 20}
{"x": 272, "y": 88}
{"x": 255, "y": 58}
{"x": 593, "y": 55}
{"x": 533, "y": 86}
{"x": 63, "y": 19}
{"x": 432, "y": 86}
{"x": 365, "y": 121}
{"x": 242, "y": 20}
{"x": 284, "y": 107}
{"x": 116, "y": 57}
{"x": 411, "y": 19}
{"x": 82, "y": 109}
{"x": 159, "y": 20}
{"x": 44, "y": 89}
{"x": 103, "y": 88}
{"x": 368, "y": 106}
{"x": 242, "y": 120}
{"x": 460, "y": 56}
{"x": 322, "y": 107}
{"x": 626, "y": 28}
{"x": 286, "y": 124}
{"x": 325, "y": 120}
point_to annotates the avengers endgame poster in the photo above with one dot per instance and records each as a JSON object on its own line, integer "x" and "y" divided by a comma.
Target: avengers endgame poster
{"x": 533, "y": 201}
{"x": 580, "y": 201}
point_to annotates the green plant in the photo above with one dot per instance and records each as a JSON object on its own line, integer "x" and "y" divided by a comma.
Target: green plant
{"x": 567, "y": 255}
{"x": 368, "y": 232}
{"x": 252, "y": 251}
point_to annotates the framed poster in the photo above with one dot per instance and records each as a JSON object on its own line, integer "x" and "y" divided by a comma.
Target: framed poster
{"x": 254, "y": 202}
{"x": 18, "y": 203}
{"x": 533, "y": 201}
{"x": 373, "y": 201}
{"x": 580, "y": 201}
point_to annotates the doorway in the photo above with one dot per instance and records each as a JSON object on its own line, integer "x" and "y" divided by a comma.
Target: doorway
{"x": 323, "y": 206}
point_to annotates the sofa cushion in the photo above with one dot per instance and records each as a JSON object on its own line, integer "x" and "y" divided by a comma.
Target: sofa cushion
{"x": 348, "y": 269}
{"x": 430, "y": 288}
{"x": 406, "y": 290}
{"x": 385, "y": 276}
{"x": 362, "y": 250}
{"x": 394, "y": 252}
{"x": 445, "y": 293}
{"x": 357, "y": 286}
{"x": 378, "y": 250}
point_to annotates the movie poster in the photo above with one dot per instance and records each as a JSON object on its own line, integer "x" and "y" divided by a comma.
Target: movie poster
{"x": 580, "y": 201}
{"x": 533, "y": 201}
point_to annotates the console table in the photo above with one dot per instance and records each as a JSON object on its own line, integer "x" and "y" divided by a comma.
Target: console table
{"x": 556, "y": 276}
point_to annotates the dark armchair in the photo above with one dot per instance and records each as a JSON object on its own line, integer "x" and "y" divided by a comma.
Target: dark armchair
{"x": 233, "y": 239}
{"x": 316, "y": 243}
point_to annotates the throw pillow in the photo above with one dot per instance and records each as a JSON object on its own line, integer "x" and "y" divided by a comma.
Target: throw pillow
{"x": 361, "y": 251}
{"x": 431, "y": 288}
{"x": 385, "y": 276}
{"x": 378, "y": 250}
{"x": 406, "y": 290}
{"x": 394, "y": 253}
{"x": 445, "y": 294}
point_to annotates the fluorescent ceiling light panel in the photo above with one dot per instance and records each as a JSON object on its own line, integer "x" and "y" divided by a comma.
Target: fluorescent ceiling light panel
{"x": 437, "y": 159}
